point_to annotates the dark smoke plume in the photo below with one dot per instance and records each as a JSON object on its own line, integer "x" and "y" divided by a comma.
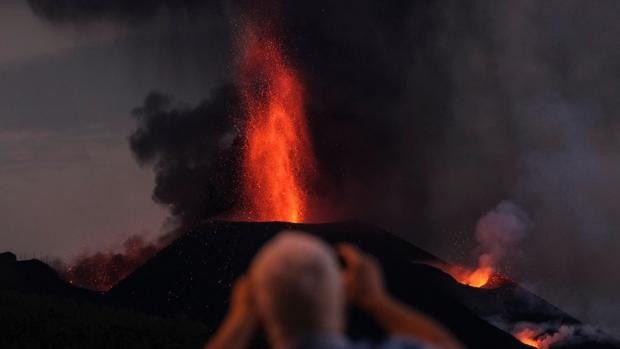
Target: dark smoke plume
{"x": 195, "y": 153}
{"x": 81, "y": 11}
{"x": 423, "y": 115}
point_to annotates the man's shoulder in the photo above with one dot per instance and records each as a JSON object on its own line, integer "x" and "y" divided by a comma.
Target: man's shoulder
{"x": 404, "y": 343}
{"x": 337, "y": 342}
{"x": 392, "y": 343}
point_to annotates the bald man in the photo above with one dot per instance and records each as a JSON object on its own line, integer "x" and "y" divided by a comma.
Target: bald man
{"x": 297, "y": 291}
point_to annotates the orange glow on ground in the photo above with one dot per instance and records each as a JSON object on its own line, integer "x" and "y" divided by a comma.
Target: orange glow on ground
{"x": 478, "y": 278}
{"x": 277, "y": 158}
{"x": 483, "y": 276}
{"x": 528, "y": 337}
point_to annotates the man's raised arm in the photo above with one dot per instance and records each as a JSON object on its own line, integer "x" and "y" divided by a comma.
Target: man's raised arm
{"x": 365, "y": 288}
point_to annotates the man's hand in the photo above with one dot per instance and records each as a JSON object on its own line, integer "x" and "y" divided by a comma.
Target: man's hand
{"x": 363, "y": 278}
{"x": 242, "y": 300}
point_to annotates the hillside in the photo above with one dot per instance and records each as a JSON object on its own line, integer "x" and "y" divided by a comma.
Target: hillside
{"x": 181, "y": 294}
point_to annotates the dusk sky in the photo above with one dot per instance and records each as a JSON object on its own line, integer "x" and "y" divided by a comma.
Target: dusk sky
{"x": 68, "y": 180}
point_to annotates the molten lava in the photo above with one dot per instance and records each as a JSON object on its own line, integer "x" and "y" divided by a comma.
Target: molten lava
{"x": 528, "y": 337}
{"x": 477, "y": 278}
{"x": 277, "y": 159}
{"x": 483, "y": 276}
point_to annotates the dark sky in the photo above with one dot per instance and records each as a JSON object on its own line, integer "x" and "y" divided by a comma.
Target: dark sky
{"x": 424, "y": 116}
{"x": 68, "y": 180}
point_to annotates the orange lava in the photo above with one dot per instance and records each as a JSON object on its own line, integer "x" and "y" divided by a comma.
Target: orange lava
{"x": 483, "y": 276}
{"x": 278, "y": 160}
{"x": 528, "y": 337}
{"x": 477, "y": 278}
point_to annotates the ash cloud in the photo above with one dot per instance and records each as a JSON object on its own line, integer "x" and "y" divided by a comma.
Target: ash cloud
{"x": 424, "y": 114}
{"x": 83, "y": 11}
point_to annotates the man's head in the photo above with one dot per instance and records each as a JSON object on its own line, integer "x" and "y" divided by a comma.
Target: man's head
{"x": 298, "y": 287}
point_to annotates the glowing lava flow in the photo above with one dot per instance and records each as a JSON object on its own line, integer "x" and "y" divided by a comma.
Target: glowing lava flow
{"x": 278, "y": 160}
{"x": 483, "y": 276}
{"x": 477, "y": 278}
{"x": 528, "y": 337}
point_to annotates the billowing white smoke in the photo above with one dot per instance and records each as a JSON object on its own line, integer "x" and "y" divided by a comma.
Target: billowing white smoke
{"x": 547, "y": 335}
{"x": 498, "y": 231}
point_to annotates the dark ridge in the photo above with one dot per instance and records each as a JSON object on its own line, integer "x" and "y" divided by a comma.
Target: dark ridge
{"x": 192, "y": 277}
{"x": 35, "y": 277}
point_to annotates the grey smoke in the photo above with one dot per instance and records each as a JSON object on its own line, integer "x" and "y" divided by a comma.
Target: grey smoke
{"x": 549, "y": 335}
{"x": 499, "y": 231}
{"x": 535, "y": 117}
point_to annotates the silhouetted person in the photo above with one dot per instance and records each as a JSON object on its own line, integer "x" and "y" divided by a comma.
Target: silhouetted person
{"x": 297, "y": 291}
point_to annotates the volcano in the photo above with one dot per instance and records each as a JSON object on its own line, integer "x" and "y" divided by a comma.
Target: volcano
{"x": 191, "y": 280}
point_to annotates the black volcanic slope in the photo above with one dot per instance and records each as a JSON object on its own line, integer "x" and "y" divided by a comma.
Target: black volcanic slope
{"x": 192, "y": 278}
{"x": 184, "y": 291}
